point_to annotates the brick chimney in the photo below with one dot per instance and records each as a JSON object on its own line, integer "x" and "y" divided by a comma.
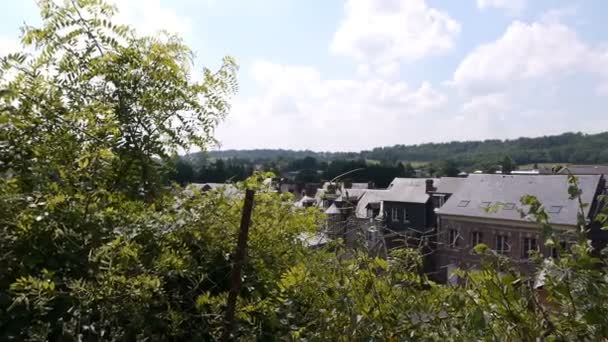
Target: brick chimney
{"x": 429, "y": 186}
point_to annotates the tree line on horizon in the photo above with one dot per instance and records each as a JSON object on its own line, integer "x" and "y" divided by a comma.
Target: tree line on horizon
{"x": 568, "y": 147}
{"x": 202, "y": 169}
{"x": 305, "y": 170}
{"x": 383, "y": 164}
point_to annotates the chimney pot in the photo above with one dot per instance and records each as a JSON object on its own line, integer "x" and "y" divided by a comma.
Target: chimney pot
{"x": 429, "y": 185}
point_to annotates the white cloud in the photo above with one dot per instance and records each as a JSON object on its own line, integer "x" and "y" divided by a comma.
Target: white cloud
{"x": 528, "y": 81}
{"x": 298, "y": 108}
{"x": 511, "y": 6}
{"x": 151, "y": 16}
{"x": 388, "y": 31}
{"x": 491, "y": 103}
{"x": 512, "y": 115}
{"x": 525, "y": 52}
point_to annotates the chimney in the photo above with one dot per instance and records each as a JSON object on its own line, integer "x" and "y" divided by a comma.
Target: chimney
{"x": 429, "y": 186}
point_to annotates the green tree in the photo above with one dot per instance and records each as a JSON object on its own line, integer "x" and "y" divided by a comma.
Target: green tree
{"x": 116, "y": 102}
{"x": 507, "y": 165}
{"x": 409, "y": 171}
{"x": 88, "y": 120}
{"x": 184, "y": 172}
{"x": 449, "y": 168}
{"x": 489, "y": 168}
{"x": 308, "y": 176}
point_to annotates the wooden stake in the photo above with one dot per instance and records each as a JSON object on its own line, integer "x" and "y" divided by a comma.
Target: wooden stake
{"x": 239, "y": 259}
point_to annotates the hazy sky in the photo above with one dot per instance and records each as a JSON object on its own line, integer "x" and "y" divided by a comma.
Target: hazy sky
{"x": 356, "y": 74}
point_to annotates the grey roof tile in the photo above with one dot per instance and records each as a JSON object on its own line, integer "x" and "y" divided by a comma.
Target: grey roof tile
{"x": 585, "y": 170}
{"x": 410, "y": 190}
{"x": 551, "y": 191}
{"x": 449, "y": 185}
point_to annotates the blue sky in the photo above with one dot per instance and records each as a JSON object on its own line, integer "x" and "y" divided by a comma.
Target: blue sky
{"x": 356, "y": 74}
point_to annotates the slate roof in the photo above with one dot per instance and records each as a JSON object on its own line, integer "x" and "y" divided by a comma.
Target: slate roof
{"x": 340, "y": 195}
{"x": 333, "y": 210}
{"x": 585, "y": 170}
{"x": 326, "y": 185}
{"x": 410, "y": 190}
{"x": 351, "y": 194}
{"x": 370, "y": 196}
{"x": 305, "y": 199}
{"x": 448, "y": 185}
{"x": 481, "y": 191}
{"x": 359, "y": 186}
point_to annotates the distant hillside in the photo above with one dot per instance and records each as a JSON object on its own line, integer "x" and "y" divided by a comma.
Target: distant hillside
{"x": 263, "y": 154}
{"x": 564, "y": 148}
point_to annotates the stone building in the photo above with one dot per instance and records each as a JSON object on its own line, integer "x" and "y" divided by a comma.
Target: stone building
{"x": 487, "y": 209}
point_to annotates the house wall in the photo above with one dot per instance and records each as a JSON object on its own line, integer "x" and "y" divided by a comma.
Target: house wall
{"x": 422, "y": 219}
{"x": 463, "y": 256}
{"x": 417, "y": 212}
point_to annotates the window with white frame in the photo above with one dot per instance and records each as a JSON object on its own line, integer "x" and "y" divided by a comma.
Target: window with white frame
{"x": 502, "y": 244}
{"x": 406, "y": 216}
{"x": 454, "y": 237}
{"x": 529, "y": 245}
{"x": 476, "y": 238}
{"x": 394, "y": 215}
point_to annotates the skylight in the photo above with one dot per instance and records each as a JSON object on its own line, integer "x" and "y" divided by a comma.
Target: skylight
{"x": 484, "y": 204}
{"x": 554, "y": 209}
{"x": 509, "y": 206}
{"x": 463, "y": 204}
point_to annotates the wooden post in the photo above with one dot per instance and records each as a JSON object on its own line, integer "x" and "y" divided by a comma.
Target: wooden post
{"x": 239, "y": 259}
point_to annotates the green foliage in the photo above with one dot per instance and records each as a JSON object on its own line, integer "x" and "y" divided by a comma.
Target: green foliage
{"x": 564, "y": 148}
{"x": 95, "y": 247}
{"x": 308, "y": 176}
{"x": 507, "y": 166}
{"x": 308, "y": 169}
{"x": 96, "y": 102}
{"x": 448, "y": 168}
